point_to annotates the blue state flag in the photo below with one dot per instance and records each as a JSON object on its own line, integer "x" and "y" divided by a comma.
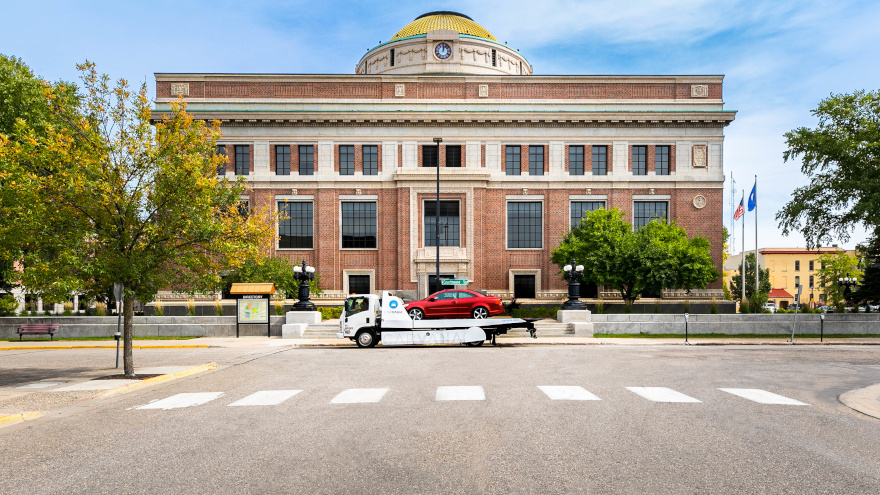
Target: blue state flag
{"x": 752, "y": 200}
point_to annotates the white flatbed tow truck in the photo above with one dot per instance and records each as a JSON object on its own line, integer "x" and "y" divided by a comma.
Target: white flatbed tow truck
{"x": 368, "y": 319}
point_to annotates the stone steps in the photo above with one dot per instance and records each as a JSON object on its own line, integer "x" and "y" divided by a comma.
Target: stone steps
{"x": 321, "y": 331}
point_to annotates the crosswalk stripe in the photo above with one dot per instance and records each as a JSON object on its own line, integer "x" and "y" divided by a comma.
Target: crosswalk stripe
{"x": 460, "y": 393}
{"x": 183, "y": 400}
{"x": 762, "y": 396}
{"x": 661, "y": 394}
{"x": 266, "y": 398}
{"x": 567, "y": 393}
{"x": 359, "y": 395}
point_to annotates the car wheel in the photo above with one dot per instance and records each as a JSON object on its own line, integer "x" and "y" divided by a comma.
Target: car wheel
{"x": 480, "y": 313}
{"x": 366, "y": 338}
{"x": 416, "y": 314}
{"x": 474, "y": 344}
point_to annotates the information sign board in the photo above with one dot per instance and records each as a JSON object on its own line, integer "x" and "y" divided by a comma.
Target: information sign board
{"x": 253, "y": 310}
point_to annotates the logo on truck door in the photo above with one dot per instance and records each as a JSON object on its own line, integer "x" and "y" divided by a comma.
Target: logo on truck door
{"x": 392, "y": 304}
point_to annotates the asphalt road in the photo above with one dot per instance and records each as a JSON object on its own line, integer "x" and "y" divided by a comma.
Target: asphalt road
{"x": 517, "y": 440}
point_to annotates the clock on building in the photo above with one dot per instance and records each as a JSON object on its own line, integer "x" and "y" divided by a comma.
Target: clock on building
{"x": 442, "y": 51}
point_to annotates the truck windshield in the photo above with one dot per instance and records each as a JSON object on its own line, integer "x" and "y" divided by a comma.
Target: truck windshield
{"x": 356, "y": 305}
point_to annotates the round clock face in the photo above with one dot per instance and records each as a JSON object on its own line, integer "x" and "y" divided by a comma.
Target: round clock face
{"x": 442, "y": 51}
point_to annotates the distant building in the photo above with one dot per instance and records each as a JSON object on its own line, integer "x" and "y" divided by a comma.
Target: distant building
{"x": 351, "y": 159}
{"x": 790, "y": 267}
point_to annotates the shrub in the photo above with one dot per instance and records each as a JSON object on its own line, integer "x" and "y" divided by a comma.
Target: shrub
{"x": 554, "y": 311}
{"x": 8, "y": 305}
{"x": 541, "y": 312}
{"x": 160, "y": 311}
{"x": 517, "y": 313}
{"x": 687, "y": 305}
{"x": 714, "y": 309}
{"x": 218, "y": 307}
{"x": 656, "y": 307}
{"x": 191, "y": 307}
{"x": 600, "y": 307}
{"x": 330, "y": 313}
{"x": 744, "y": 305}
{"x": 68, "y": 309}
{"x": 100, "y": 309}
{"x": 279, "y": 308}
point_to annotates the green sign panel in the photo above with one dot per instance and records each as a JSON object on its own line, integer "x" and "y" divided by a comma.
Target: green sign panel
{"x": 454, "y": 281}
{"x": 253, "y": 311}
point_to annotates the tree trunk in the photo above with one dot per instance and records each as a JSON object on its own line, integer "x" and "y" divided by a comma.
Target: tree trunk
{"x": 127, "y": 318}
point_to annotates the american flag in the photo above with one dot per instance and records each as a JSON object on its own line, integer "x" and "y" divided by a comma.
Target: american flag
{"x": 739, "y": 211}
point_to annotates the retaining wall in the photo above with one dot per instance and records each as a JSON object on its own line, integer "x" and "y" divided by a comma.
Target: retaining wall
{"x": 144, "y": 326}
{"x": 760, "y": 324}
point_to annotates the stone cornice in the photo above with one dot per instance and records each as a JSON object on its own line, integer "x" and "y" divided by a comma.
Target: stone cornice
{"x": 438, "y": 78}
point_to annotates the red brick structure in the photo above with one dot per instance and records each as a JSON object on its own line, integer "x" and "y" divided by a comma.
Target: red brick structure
{"x": 519, "y": 154}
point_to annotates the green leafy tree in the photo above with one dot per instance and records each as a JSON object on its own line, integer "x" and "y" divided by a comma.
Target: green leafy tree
{"x": 736, "y": 280}
{"x": 869, "y": 290}
{"x": 658, "y": 256}
{"x": 111, "y": 196}
{"x": 841, "y": 157}
{"x": 832, "y": 267}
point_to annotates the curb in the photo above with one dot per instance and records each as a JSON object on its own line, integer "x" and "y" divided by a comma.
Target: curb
{"x": 158, "y": 379}
{"x": 50, "y": 347}
{"x": 864, "y": 400}
{"x": 14, "y": 418}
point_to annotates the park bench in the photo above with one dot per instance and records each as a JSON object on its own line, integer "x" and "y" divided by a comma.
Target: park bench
{"x": 37, "y": 328}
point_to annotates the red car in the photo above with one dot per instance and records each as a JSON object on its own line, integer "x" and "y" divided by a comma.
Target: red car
{"x": 455, "y": 303}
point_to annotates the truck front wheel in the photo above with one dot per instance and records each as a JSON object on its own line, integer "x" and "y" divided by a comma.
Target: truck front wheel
{"x": 366, "y": 338}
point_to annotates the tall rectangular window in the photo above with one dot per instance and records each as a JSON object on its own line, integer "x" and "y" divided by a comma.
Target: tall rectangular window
{"x": 242, "y": 159}
{"x": 797, "y": 281}
{"x": 449, "y": 223}
{"x": 811, "y": 265}
{"x": 392, "y": 57}
{"x": 661, "y": 160}
{"x": 579, "y": 208}
{"x": 306, "y": 159}
{"x": 371, "y": 160}
{"x": 429, "y": 155}
{"x": 536, "y": 160}
{"x": 576, "y": 160}
{"x": 453, "y": 156}
{"x": 493, "y": 57}
{"x": 512, "y": 160}
{"x": 600, "y": 160}
{"x": 359, "y": 284}
{"x": 797, "y": 265}
{"x": 640, "y": 160}
{"x": 359, "y": 225}
{"x": 221, "y": 167}
{"x": 282, "y": 160}
{"x": 811, "y": 281}
{"x": 295, "y": 225}
{"x": 524, "y": 225}
{"x": 346, "y": 160}
{"x": 646, "y": 211}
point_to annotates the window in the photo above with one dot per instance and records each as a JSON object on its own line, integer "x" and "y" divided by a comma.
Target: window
{"x": 576, "y": 160}
{"x": 453, "y": 156}
{"x": 640, "y": 160}
{"x": 221, "y": 167}
{"x": 463, "y": 295}
{"x": 646, "y": 211}
{"x": 536, "y": 160}
{"x": 797, "y": 281}
{"x": 811, "y": 265}
{"x": 822, "y": 264}
{"x": 346, "y": 160}
{"x": 493, "y": 57}
{"x": 429, "y": 155}
{"x": 524, "y": 225}
{"x": 600, "y": 160}
{"x": 371, "y": 160}
{"x": 511, "y": 160}
{"x": 392, "y": 57}
{"x": 579, "y": 208}
{"x": 449, "y": 223}
{"x": 797, "y": 265}
{"x": 282, "y": 160}
{"x": 661, "y": 160}
{"x": 359, "y": 225}
{"x": 244, "y": 207}
{"x": 811, "y": 282}
{"x": 306, "y": 159}
{"x": 358, "y": 284}
{"x": 242, "y": 159}
{"x": 295, "y": 225}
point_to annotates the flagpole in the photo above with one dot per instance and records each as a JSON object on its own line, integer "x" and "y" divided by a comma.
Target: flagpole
{"x": 757, "y": 266}
{"x": 742, "y": 297}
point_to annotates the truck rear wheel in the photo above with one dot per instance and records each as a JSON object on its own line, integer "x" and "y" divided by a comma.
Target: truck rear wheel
{"x": 474, "y": 344}
{"x": 366, "y": 338}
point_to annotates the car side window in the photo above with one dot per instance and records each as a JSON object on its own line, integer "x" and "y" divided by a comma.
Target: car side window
{"x": 464, "y": 295}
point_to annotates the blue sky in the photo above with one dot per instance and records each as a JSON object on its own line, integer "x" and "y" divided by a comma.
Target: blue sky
{"x": 779, "y": 58}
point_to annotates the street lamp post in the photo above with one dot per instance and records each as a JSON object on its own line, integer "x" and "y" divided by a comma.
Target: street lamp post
{"x": 574, "y": 275}
{"x": 437, "y": 141}
{"x": 304, "y": 274}
{"x": 847, "y": 283}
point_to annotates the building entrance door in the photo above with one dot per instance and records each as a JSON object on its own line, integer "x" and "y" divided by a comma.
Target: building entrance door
{"x": 359, "y": 284}
{"x": 523, "y": 286}
{"x": 433, "y": 286}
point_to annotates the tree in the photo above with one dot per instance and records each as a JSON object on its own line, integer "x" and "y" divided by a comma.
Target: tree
{"x": 658, "y": 256}
{"x": 111, "y": 198}
{"x": 725, "y": 237}
{"x": 869, "y": 289}
{"x": 832, "y": 267}
{"x": 842, "y": 159}
{"x": 265, "y": 269}
{"x": 736, "y": 280}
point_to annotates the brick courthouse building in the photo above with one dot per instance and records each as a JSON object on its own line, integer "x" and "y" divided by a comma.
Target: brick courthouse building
{"x": 350, "y": 159}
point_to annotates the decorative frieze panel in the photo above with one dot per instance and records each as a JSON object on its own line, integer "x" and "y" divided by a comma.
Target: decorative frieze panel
{"x": 179, "y": 89}
{"x": 699, "y": 91}
{"x": 699, "y": 201}
{"x": 399, "y": 90}
{"x": 484, "y": 90}
{"x": 700, "y": 156}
